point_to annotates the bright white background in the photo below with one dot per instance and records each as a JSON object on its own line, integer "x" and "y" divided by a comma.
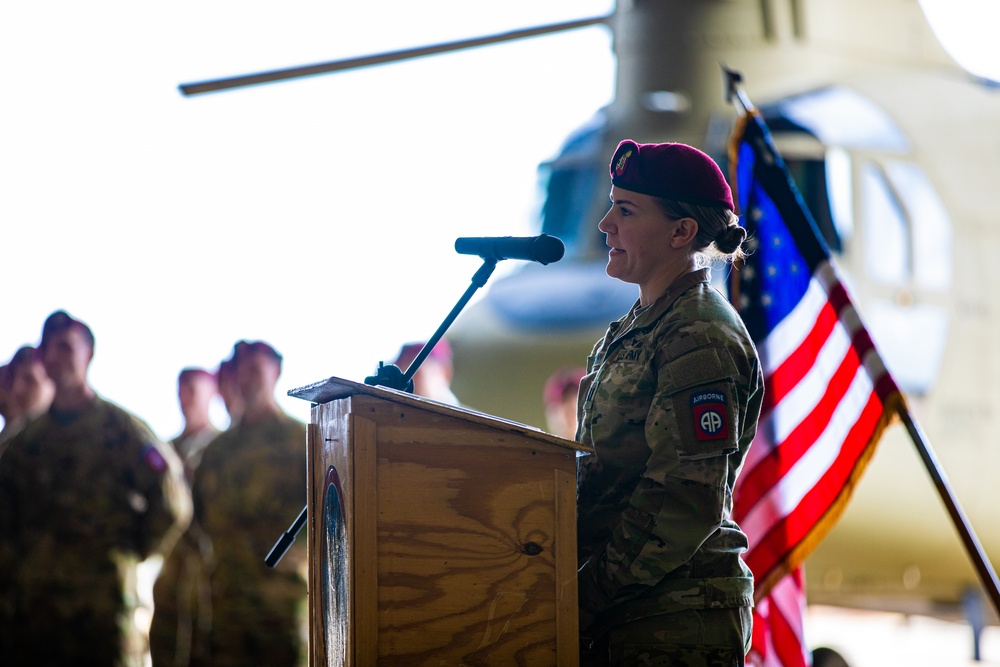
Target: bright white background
{"x": 317, "y": 214}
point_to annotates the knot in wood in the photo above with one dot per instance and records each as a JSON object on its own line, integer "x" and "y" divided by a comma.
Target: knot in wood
{"x": 531, "y": 548}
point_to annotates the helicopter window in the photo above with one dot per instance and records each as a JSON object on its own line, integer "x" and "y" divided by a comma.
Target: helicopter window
{"x": 840, "y": 116}
{"x": 911, "y": 339}
{"x": 570, "y": 183}
{"x": 839, "y": 190}
{"x": 568, "y": 190}
{"x": 887, "y": 238}
{"x": 810, "y": 176}
{"x": 930, "y": 224}
{"x": 823, "y": 180}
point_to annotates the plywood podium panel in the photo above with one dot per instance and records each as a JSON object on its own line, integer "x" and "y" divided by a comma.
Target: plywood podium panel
{"x": 438, "y": 536}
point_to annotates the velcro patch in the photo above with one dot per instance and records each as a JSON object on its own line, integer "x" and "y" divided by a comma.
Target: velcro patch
{"x": 710, "y": 417}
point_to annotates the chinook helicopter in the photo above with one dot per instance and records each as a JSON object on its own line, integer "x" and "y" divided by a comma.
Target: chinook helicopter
{"x": 894, "y": 147}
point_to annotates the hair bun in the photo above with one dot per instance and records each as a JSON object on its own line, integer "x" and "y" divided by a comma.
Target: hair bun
{"x": 730, "y": 239}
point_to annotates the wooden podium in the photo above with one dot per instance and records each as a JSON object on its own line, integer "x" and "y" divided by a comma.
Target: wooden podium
{"x": 436, "y": 535}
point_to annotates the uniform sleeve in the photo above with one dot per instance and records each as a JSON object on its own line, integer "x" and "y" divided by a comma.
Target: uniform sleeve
{"x": 8, "y": 546}
{"x": 162, "y": 496}
{"x": 680, "y": 498}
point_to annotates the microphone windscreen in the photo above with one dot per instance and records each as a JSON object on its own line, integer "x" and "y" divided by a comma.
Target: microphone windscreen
{"x": 548, "y": 249}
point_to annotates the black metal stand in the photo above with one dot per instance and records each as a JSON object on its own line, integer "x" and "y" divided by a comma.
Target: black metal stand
{"x": 389, "y": 375}
{"x": 286, "y": 539}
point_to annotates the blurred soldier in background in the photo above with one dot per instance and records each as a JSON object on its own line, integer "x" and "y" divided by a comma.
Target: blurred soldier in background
{"x": 229, "y": 390}
{"x": 25, "y": 391}
{"x": 86, "y": 493}
{"x": 31, "y": 388}
{"x": 559, "y": 400}
{"x": 195, "y": 389}
{"x": 433, "y": 379}
{"x": 8, "y": 410}
{"x": 249, "y": 487}
{"x": 181, "y": 592}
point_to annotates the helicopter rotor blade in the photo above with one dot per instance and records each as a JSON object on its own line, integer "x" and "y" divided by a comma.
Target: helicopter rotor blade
{"x": 200, "y": 87}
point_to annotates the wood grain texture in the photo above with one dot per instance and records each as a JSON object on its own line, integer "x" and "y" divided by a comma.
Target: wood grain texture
{"x": 314, "y": 449}
{"x": 333, "y": 447}
{"x": 364, "y": 621}
{"x": 567, "y": 604}
{"x": 463, "y": 536}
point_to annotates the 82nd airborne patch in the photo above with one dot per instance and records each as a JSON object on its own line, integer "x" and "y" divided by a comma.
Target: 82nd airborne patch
{"x": 710, "y": 416}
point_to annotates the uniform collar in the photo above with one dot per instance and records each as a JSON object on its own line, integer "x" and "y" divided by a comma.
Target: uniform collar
{"x": 638, "y": 318}
{"x": 663, "y": 302}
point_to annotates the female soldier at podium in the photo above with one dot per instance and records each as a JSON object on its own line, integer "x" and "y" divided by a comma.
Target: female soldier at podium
{"x": 670, "y": 404}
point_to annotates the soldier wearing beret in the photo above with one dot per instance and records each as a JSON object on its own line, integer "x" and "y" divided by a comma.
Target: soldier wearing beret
{"x": 433, "y": 379}
{"x": 25, "y": 392}
{"x": 559, "y": 398}
{"x": 180, "y": 593}
{"x": 248, "y": 488}
{"x": 29, "y": 384}
{"x": 229, "y": 391}
{"x": 670, "y": 404}
{"x": 86, "y": 493}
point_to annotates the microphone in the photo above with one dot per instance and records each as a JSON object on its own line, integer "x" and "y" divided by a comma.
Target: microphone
{"x": 544, "y": 249}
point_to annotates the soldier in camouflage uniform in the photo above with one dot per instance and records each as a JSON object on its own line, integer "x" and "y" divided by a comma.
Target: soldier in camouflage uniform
{"x": 86, "y": 493}
{"x": 229, "y": 391}
{"x": 249, "y": 487}
{"x": 670, "y": 404}
{"x": 28, "y": 389}
{"x": 8, "y": 409}
{"x": 180, "y": 594}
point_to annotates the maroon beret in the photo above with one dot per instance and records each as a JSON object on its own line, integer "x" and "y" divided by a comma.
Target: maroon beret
{"x": 25, "y": 355}
{"x": 563, "y": 382}
{"x": 61, "y": 321}
{"x": 670, "y": 171}
{"x": 191, "y": 372}
{"x": 440, "y": 352}
{"x": 245, "y": 347}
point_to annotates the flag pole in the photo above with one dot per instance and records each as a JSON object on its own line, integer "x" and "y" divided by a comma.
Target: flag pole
{"x": 984, "y": 569}
{"x": 735, "y": 93}
{"x": 733, "y": 90}
{"x": 987, "y": 576}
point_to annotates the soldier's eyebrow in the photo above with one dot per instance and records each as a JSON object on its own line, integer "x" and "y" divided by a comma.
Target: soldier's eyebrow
{"x": 619, "y": 202}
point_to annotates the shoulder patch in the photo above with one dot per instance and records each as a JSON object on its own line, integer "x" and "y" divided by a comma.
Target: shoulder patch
{"x": 153, "y": 458}
{"x": 710, "y": 415}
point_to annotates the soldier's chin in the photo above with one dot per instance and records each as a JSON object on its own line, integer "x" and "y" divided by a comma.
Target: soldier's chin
{"x": 614, "y": 270}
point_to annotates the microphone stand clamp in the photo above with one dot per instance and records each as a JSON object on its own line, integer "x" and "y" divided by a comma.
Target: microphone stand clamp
{"x": 391, "y": 376}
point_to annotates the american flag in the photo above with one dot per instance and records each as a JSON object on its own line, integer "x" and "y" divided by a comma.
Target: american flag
{"x": 827, "y": 395}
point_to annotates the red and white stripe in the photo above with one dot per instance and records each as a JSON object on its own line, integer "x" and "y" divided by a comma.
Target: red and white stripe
{"x": 825, "y": 399}
{"x": 778, "y": 631}
{"x": 824, "y": 403}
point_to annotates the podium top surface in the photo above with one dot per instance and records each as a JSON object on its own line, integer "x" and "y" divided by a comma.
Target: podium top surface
{"x": 335, "y": 388}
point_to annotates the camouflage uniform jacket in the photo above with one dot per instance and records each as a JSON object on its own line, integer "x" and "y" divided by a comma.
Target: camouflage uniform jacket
{"x": 670, "y": 404}
{"x": 83, "y": 498}
{"x": 248, "y": 489}
{"x": 180, "y": 593}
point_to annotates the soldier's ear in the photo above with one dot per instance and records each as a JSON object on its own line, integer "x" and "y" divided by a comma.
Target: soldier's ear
{"x": 684, "y": 233}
